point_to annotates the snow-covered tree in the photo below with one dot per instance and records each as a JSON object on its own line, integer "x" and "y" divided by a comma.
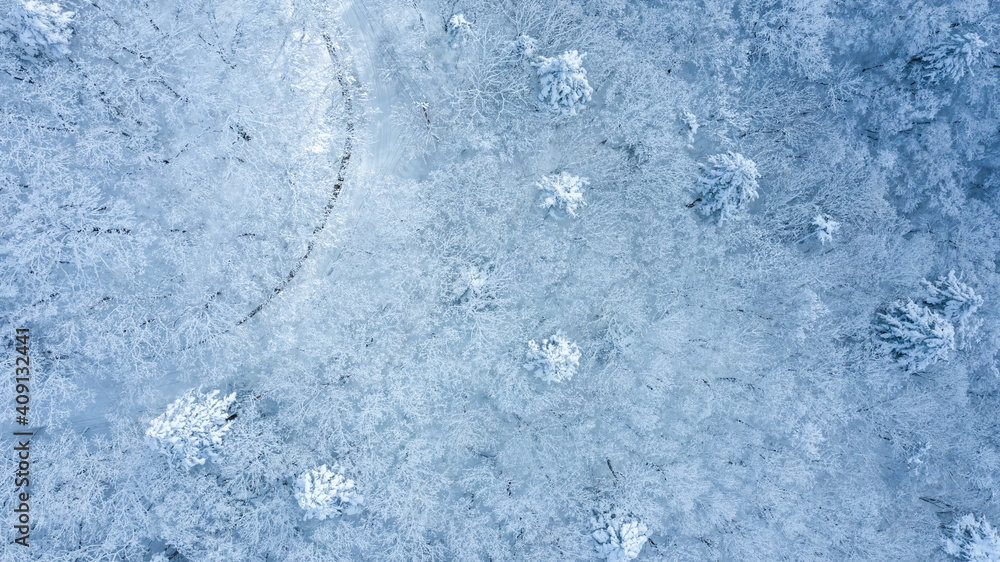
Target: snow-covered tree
{"x": 825, "y": 227}
{"x": 973, "y": 538}
{"x": 562, "y": 193}
{"x": 916, "y": 335}
{"x": 564, "y": 82}
{"x": 957, "y": 302}
{"x": 324, "y": 492}
{"x": 40, "y": 29}
{"x": 619, "y": 539}
{"x": 954, "y": 299}
{"x": 729, "y": 181}
{"x": 458, "y": 29}
{"x": 192, "y": 427}
{"x": 526, "y": 45}
{"x": 555, "y": 360}
{"x": 951, "y": 59}
{"x": 917, "y": 460}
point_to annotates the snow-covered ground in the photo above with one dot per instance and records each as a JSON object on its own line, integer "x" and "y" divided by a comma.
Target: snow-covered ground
{"x": 556, "y": 280}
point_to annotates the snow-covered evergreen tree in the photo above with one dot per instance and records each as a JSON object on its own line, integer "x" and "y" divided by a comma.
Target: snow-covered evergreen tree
{"x": 954, "y": 299}
{"x": 458, "y": 29}
{"x": 951, "y": 59}
{"x": 40, "y": 29}
{"x": 729, "y": 181}
{"x": 192, "y": 427}
{"x": 564, "y": 82}
{"x": 916, "y": 335}
{"x": 562, "y": 193}
{"x": 324, "y": 492}
{"x": 526, "y": 45}
{"x": 973, "y": 538}
{"x": 825, "y": 227}
{"x": 619, "y": 539}
{"x": 555, "y": 360}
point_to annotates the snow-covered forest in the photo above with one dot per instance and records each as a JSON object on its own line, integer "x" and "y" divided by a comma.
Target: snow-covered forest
{"x": 504, "y": 280}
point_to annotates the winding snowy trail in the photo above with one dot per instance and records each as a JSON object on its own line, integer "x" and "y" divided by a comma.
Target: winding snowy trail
{"x": 371, "y": 41}
{"x": 348, "y": 91}
{"x": 346, "y": 76}
{"x": 359, "y": 68}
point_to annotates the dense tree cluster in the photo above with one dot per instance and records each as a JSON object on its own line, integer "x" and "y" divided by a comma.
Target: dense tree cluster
{"x": 344, "y": 214}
